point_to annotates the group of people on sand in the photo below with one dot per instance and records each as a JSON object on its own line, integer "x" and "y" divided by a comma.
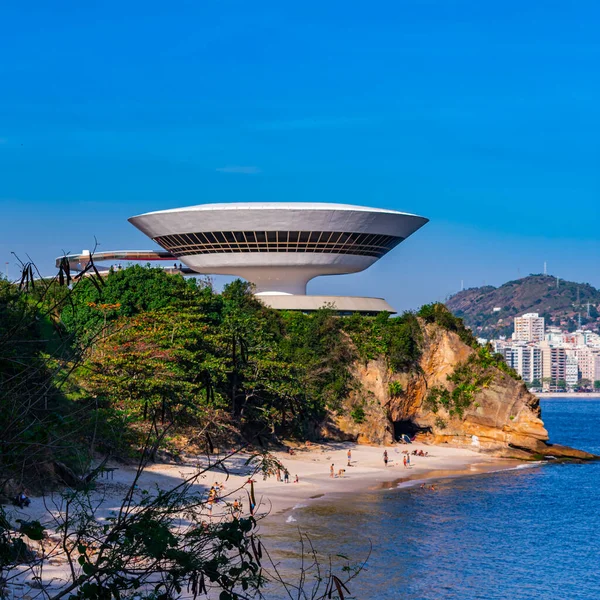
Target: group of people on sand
{"x": 340, "y": 472}
{"x": 214, "y": 493}
{"x": 405, "y": 460}
{"x": 406, "y": 457}
{"x": 286, "y": 476}
{"x": 419, "y": 453}
{"x": 333, "y": 474}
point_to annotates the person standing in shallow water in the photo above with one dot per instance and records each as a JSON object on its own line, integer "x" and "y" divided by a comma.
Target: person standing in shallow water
{"x": 331, "y": 471}
{"x": 385, "y": 457}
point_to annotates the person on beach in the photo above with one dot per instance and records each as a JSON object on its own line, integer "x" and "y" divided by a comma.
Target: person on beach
{"x": 404, "y": 461}
{"x": 22, "y": 500}
{"x": 385, "y": 457}
{"x": 286, "y": 477}
{"x": 296, "y": 480}
{"x": 332, "y": 471}
{"x": 278, "y": 474}
{"x": 349, "y": 456}
{"x": 408, "y": 460}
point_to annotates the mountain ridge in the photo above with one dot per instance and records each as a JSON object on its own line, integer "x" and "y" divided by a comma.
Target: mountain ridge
{"x": 489, "y": 311}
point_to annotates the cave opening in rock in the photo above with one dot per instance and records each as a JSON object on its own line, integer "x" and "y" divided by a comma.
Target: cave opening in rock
{"x": 407, "y": 427}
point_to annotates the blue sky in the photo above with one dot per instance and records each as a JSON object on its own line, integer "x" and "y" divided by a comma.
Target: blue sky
{"x": 482, "y": 116}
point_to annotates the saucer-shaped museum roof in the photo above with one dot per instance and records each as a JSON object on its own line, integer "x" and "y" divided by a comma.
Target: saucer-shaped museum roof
{"x": 279, "y": 246}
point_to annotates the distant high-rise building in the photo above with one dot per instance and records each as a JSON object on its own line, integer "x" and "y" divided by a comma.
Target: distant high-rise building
{"x": 529, "y": 328}
{"x": 571, "y": 369}
{"x": 588, "y": 360}
{"x": 554, "y": 364}
{"x": 525, "y": 359}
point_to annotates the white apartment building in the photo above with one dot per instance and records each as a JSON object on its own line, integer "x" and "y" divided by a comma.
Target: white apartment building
{"x": 571, "y": 369}
{"x": 529, "y": 328}
{"x": 591, "y": 339}
{"x": 554, "y": 335}
{"x": 525, "y": 359}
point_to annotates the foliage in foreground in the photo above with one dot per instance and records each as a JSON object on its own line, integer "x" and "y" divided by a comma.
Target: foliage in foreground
{"x": 161, "y": 544}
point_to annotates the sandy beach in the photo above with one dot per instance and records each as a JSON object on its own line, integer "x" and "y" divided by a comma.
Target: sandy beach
{"x": 275, "y": 499}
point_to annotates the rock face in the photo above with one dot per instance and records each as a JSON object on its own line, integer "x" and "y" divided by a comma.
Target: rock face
{"x": 503, "y": 418}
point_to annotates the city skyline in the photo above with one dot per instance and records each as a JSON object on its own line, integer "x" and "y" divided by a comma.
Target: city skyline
{"x": 551, "y": 358}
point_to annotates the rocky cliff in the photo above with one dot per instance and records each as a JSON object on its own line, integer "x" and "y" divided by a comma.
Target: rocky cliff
{"x": 502, "y": 418}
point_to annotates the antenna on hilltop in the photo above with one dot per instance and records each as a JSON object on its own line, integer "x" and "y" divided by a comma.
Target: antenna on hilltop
{"x": 557, "y": 280}
{"x": 462, "y": 285}
{"x": 545, "y": 268}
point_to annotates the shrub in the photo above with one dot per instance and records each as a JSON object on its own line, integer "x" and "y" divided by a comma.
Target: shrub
{"x": 358, "y": 414}
{"x": 439, "y": 314}
{"x": 395, "y": 389}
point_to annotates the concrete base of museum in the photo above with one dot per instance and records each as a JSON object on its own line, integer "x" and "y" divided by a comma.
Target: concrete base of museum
{"x": 341, "y": 304}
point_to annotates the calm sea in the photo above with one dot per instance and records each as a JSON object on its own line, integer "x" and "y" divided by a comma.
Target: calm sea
{"x": 529, "y": 533}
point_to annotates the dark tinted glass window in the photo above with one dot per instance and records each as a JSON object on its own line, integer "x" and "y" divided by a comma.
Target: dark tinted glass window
{"x": 336, "y": 242}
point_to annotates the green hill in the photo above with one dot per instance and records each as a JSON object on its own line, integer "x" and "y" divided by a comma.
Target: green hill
{"x": 489, "y": 311}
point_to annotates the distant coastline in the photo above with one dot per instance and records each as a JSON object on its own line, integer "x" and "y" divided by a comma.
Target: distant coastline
{"x": 559, "y": 395}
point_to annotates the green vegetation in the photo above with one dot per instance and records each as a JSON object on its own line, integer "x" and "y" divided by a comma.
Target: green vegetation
{"x": 397, "y": 339}
{"x": 395, "y": 389}
{"x": 358, "y": 414}
{"x": 99, "y": 366}
{"x": 440, "y": 423}
{"x": 107, "y": 363}
{"x": 438, "y": 313}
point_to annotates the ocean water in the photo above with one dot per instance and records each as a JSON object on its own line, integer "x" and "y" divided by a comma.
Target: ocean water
{"x": 529, "y": 533}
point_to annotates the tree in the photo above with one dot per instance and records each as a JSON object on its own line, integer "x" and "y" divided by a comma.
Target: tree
{"x": 127, "y": 292}
{"x": 597, "y": 384}
{"x": 39, "y": 427}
